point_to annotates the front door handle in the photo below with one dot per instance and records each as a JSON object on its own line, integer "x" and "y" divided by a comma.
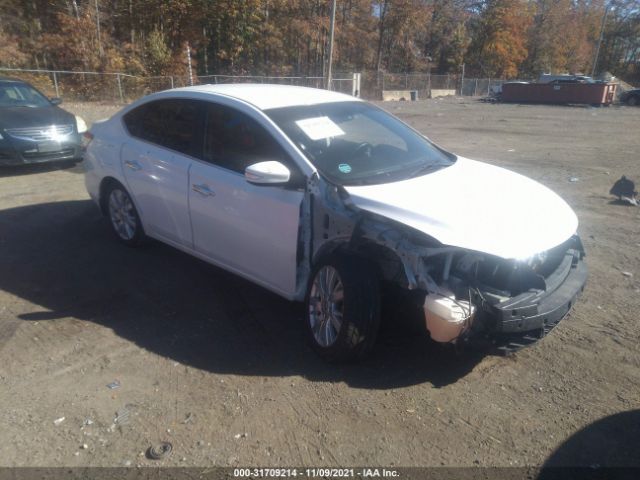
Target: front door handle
{"x": 133, "y": 165}
{"x": 203, "y": 189}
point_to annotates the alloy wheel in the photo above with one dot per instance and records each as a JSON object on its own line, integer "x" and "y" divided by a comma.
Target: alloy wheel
{"x": 326, "y": 306}
{"x": 122, "y": 214}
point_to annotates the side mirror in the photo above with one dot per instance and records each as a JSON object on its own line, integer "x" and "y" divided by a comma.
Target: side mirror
{"x": 56, "y": 101}
{"x": 267, "y": 173}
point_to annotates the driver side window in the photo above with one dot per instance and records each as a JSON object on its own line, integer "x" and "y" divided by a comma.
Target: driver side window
{"x": 234, "y": 141}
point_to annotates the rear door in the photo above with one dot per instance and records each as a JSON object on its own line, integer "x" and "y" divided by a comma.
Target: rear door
{"x": 165, "y": 136}
{"x": 251, "y": 230}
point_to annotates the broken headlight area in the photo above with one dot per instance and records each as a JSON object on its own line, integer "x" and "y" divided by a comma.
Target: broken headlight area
{"x": 481, "y": 294}
{"x": 464, "y": 295}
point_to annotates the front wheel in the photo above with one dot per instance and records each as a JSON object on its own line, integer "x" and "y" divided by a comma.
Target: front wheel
{"x": 343, "y": 308}
{"x": 632, "y": 101}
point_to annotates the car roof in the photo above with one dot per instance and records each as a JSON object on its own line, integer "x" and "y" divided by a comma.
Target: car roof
{"x": 266, "y": 96}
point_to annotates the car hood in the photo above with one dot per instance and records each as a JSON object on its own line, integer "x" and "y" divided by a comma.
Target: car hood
{"x": 476, "y": 206}
{"x": 20, "y": 117}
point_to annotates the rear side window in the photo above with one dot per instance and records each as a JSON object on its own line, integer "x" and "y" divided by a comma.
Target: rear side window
{"x": 234, "y": 140}
{"x": 172, "y": 123}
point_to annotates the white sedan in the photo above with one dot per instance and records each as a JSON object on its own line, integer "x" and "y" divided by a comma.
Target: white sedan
{"x": 323, "y": 198}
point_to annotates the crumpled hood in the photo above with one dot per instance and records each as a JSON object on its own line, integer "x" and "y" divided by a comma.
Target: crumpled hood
{"x": 476, "y": 206}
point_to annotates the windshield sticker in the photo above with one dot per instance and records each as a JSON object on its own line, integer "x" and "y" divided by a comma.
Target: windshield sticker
{"x": 318, "y": 128}
{"x": 344, "y": 168}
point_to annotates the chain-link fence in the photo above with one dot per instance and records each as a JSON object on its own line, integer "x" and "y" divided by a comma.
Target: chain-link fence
{"x": 423, "y": 83}
{"x": 123, "y": 88}
{"x": 344, "y": 82}
{"x": 314, "y": 82}
{"x": 475, "y": 87}
{"x": 94, "y": 86}
{"x": 426, "y": 85}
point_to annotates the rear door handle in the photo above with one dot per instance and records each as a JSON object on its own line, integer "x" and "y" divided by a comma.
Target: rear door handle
{"x": 133, "y": 165}
{"x": 203, "y": 189}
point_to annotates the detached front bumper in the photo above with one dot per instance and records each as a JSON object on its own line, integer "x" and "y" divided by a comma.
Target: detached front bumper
{"x": 524, "y": 313}
{"x": 525, "y": 318}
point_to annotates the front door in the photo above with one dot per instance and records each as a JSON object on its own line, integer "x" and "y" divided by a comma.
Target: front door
{"x": 249, "y": 229}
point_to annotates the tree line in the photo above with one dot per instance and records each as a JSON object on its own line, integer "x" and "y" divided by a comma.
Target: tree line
{"x": 491, "y": 38}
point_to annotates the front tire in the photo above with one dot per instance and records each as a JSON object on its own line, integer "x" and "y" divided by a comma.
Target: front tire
{"x": 343, "y": 308}
{"x": 632, "y": 101}
{"x": 123, "y": 216}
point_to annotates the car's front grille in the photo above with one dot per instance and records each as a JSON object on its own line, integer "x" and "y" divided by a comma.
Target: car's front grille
{"x": 41, "y": 134}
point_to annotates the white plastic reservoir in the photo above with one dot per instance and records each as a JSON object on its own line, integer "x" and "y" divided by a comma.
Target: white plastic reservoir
{"x": 446, "y": 316}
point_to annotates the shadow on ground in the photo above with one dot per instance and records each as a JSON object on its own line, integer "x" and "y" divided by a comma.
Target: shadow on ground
{"x": 62, "y": 258}
{"x": 22, "y": 170}
{"x": 606, "y": 449}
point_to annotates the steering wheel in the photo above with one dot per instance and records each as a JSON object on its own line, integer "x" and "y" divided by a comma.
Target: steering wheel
{"x": 365, "y": 149}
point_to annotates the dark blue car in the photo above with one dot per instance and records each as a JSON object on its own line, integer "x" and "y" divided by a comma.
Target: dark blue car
{"x": 34, "y": 129}
{"x": 631, "y": 97}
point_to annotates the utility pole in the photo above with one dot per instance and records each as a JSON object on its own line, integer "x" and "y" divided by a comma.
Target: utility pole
{"x": 189, "y": 64}
{"x": 331, "y": 30}
{"x": 595, "y": 59}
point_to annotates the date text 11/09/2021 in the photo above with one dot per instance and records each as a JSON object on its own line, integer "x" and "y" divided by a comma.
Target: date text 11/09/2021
{"x": 315, "y": 472}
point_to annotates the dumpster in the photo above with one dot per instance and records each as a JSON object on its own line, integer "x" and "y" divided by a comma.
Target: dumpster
{"x": 589, "y": 93}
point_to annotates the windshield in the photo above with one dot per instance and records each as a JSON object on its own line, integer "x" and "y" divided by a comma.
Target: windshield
{"x": 21, "y": 95}
{"x": 355, "y": 143}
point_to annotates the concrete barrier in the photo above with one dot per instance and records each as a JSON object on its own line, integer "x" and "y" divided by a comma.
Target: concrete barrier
{"x": 442, "y": 92}
{"x": 390, "y": 95}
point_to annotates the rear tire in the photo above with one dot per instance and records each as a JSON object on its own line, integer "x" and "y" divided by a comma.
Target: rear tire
{"x": 123, "y": 216}
{"x": 343, "y": 308}
{"x": 632, "y": 101}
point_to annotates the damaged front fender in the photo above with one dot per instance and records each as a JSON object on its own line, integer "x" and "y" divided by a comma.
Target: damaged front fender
{"x": 543, "y": 288}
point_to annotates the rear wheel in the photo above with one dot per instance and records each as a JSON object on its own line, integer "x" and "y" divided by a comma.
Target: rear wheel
{"x": 123, "y": 217}
{"x": 632, "y": 101}
{"x": 343, "y": 308}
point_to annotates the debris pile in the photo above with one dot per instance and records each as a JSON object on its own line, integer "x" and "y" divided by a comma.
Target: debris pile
{"x": 160, "y": 451}
{"x": 624, "y": 189}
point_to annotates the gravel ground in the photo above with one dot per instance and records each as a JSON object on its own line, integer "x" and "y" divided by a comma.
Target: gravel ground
{"x": 219, "y": 367}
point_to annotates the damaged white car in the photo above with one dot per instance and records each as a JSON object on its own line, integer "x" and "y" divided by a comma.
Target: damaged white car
{"x": 323, "y": 198}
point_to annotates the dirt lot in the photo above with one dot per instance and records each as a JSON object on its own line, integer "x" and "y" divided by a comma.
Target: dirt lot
{"x": 219, "y": 367}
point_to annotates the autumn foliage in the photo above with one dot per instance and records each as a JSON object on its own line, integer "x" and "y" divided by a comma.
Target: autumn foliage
{"x": 492, "y": 38}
